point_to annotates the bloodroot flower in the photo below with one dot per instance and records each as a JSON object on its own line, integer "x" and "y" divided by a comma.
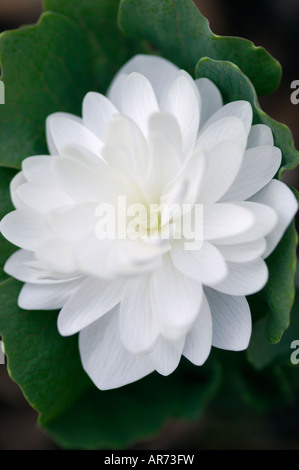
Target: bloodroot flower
{"x": 142, "y": 284}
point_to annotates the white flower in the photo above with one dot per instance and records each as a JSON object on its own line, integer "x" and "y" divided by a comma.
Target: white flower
{"x": 158, "y": 136}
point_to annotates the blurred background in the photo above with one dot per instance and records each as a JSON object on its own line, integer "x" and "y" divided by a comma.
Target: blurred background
{"x": 273, "y": 24}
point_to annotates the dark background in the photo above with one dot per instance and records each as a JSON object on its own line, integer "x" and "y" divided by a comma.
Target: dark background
{"x": 273, "y": 24}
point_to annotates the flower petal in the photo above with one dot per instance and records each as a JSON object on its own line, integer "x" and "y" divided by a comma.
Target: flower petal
{"x": 264, "y": 217}
{"x": 98, "y": 112}
{"x": 47, "y": 296}
{"x": 231, "y": 319}
{"x": 223, "y": 163}
{"x": 239, "y": 109}
{"x": 43, "y": 197}
{"x": 139, "y": 325}
{"x": 64, "y": 130}
{"x": 166, "y": 355}
{"x": 104, "y": 357}
{"x": 92, "y": 300}
{"x": 244, "y": 279}
{"x": 25, "y": 229}
{"x": 226, "y": 129}
{"x": 182, "y": 101}
{"x": 223, "y": 220}
{"x": 278, "y": 196}
{"x": 176, "y": 300}
{"x": 244, "y": 252}
{"x": 38, "y": 168}
{"x": 205, "y": 265}
{"x": 139, "y": 100}
{"x": 259, "y": 166}
{"x": 199, "y": 340}
{"x": 17, "y": 181}
{"x": 211, "y": 99}
{"x": 157, "y": 70}
{"x": 260, "y": 135}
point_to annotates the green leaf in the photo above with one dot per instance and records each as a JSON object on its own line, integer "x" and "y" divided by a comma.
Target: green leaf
{"x": 44, "y": 70}
{"x": 77, "y": 414}
{"x": 107, "y": 48}
{"x": 178, "y": 31}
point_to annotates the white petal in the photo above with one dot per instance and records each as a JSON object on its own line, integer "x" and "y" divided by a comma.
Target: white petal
{"x": 199, "y": 340}
{"x": 211, "y": 99}
{"x": 126, "y": 148}
{"x": 139, "y": 325}
{"x": 224, "y": 220}
{"x": 206, "y": 265}
{"x": 244, "y": 252}
{"x": 19, "y": 266}
{"x": 139, "y": 100}
{"x": 110, "y": 258}
{"x": 104, "y": 357}
{"x": 239, "y": 109}
{"x": 163, "y": 167}
{"x": 65, "y": 130}
{"x": 167, "y": 125}
{"x": 25, "y": 229}
{"x": 74, "y": 222}
{"x": 157, "y": 70}
{"x": 17, "y": 181}
{"x": 84, "y": 183}
{"x": 166, "y": 355}
{"x": 231, "y": 321}
{"x": 182, "y": 101}
{"x": 227, "y": 129}
{"x": 244, "y": 279}
{"x": 38, "y": 168}
{"x": 47, "y": 296}
{"x": 260, "y": 135}
{"x": 278, "y": 196}
{"x": 92, "y": 300}
{"x": 223, "y": 163}
{"x": 176, "y": 300}
{"x": 259, "y": 166}
{"x": 43, "y": 197}
{"x": 58, "y": 256}
{"x": 264, "y": 217}
{"x": 98, "y": 112}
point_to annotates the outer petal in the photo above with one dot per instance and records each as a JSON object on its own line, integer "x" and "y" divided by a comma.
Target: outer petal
{"x": 223, "y": 221}
{"x": 92, "y": 300}
{"x": 157, "y": 70}
{"x": 223, "y": 163}
{"x": 206, "y": 265}
{"x": 139, "y": 100}
{"x": 244, "y": 252}
{"x": 176, "y": 300}
{"x": 43, "y": 197}
{"x": 240, "y": 109}
{"x": 64, "y": 130}
{"x": 259, "y": 166}
{"x": 228, "y": 128}
{"x": 98, "y": 111}
{"x": 244, "y": 279}
{"x": 199, "y": 340}
{"x": 260, "y": 135}
{"x": 231, "y": 321}
{"x": 47, "y": 296}
{"x": 278, "y": 196}
{"x": 25, "y": 229}
{"x": 166, "y": 355}
{"x": 211, "y": 99}
{"x": 139, "y": 324}
{"x": 18, "y": 180}
{"x": 104, "y": 357}
{"x": 182, "y": 101}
